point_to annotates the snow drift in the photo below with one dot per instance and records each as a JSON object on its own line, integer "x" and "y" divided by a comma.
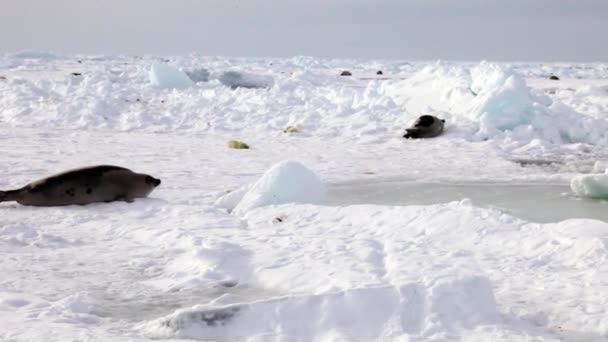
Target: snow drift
{"x": 285, "y": 182}
{"x": 355, "y": 314}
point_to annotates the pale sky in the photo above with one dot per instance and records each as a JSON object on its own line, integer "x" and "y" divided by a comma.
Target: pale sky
{"x": 538, "y": 30}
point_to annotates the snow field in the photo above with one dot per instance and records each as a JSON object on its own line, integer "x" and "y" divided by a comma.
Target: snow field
{"x": 177, "y": 265}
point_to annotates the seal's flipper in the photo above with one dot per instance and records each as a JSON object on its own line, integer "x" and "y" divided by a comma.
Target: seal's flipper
{"x": 7, "y": 196}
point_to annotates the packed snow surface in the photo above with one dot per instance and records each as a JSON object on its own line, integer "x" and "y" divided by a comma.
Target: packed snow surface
{"x": 241, "y": 244}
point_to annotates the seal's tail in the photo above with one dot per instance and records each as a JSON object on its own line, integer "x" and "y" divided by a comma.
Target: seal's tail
{"x": 6, "y": 196}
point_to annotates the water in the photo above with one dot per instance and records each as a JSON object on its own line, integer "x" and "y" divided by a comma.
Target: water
{"x": 540, "y": 203}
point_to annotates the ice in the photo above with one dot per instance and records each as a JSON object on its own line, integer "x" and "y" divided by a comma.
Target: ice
{"x": 594, "y": 91}
{"x": 592, "y": 186}
{"x": 503, "y": 105}
{"x": 600, "y": 166}
{"x": 285, "y": 182}
{"x": 236, "y": 79}
{"x": 32, "y": 54}
{"x": 165, "y": 76}
{"x": 198, "y": 75}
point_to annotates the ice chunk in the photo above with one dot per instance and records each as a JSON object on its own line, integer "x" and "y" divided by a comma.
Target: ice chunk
{"x": 165, "y": 76}
{"x": 286, "y": 182}
{"x": 592, "y": 186}
{"x": 235, "y": 79}
{"x": 503, "y": 99}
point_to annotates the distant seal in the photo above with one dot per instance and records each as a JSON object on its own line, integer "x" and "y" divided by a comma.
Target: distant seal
{"x": 103, "y": 183}
{"x": 426, "y": 126}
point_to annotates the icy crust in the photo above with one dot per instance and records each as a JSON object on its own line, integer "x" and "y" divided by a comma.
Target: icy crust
{"x": 481, "y": 102}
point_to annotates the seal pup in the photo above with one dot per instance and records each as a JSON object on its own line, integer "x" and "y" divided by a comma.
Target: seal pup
{"x": 102, "y": 183}
{"x": 426, "y": 126}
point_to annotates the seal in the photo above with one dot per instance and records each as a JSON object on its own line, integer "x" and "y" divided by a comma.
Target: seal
{"x": 426, "y": 126}
{"x": 102, "y": 183}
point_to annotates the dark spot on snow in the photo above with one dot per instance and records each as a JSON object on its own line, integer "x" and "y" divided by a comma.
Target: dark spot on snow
{"x": 76, "y": 74}
{"x": 536, "y": 162}
{"x": 346, "y": 73}
{"x": 229, "y": 283}
{"x": 215, "y": 317}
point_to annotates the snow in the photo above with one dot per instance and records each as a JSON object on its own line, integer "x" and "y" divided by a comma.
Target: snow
{"x": 198, "y": 75}
{"x": 241, "y": 244}
{"x": 285, "y": 182}
{"x": 353, "y": 314}
{"x": 165, "y": 76}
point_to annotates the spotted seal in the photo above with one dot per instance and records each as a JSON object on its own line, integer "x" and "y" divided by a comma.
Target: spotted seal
{"x": 102, "y": 183}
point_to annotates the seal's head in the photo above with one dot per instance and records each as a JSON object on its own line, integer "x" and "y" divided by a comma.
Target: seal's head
{"x": 152, "y": 181}
{"x": 143, "y": 186}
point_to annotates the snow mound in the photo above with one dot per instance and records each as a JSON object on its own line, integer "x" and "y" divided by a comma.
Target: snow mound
{"x": 285, "y": 182}
{"x": 375, "y": 313}
{"x": 592, "y": 186}
{"x": 590, "y": 90}
{"x": 235, "y": 79}
{"x": 166, "y": 77}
